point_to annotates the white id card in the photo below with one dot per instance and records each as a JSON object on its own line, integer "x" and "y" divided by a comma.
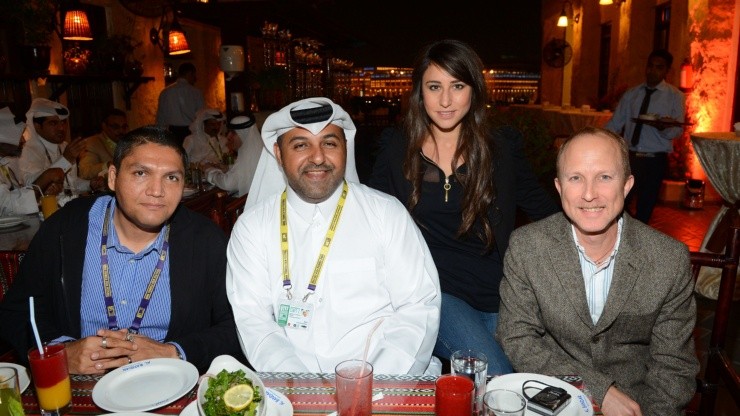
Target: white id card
{"x": 299, "y": 315}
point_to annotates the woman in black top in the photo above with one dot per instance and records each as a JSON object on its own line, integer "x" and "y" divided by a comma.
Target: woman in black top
{"x": 461, "y": 180}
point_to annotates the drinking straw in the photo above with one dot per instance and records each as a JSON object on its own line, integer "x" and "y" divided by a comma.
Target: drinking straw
{"x": 35, "y": 328}
{"x": 367, "y": 346}
{"x": 364, "y": 361}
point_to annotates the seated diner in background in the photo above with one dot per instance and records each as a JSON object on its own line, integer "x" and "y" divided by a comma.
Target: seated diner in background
{"x": 99, "y": 148}
{"x": 243, "y": 139}
{"x": 347, "y": 265}
{"x": 594, "y": 292}
{"x": 15, "y": 199}
{"x": 206, "y": 144}
{"x": 47, "y": 157}
{"x": 121, "y": 245}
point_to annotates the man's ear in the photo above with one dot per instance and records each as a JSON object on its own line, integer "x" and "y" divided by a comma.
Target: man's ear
{"x": 278, "y": 155}
{"x": 112, "y": 177}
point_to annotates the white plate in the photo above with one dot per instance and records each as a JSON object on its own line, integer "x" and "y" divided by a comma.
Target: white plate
{"x": 130, "y": 414}
{"x": 277, "y": 405}
{"x": 145, "y": 385}
{"x": 579, "y": 405}
{"x": 23, "y": 378}
{"x": 7, "y": 222}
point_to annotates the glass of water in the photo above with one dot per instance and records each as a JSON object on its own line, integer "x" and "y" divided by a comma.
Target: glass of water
{"x": 474, "y": 365}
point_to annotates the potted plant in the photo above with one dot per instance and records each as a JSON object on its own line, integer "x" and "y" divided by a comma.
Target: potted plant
{"x": 115, "y": 53}
{"x": 36, "y": 19}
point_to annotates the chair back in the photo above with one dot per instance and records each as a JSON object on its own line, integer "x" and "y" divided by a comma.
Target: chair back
{"x": 232, "y": 211}
{"x": 9, "y": 262}
{"x": 719, "y": 365}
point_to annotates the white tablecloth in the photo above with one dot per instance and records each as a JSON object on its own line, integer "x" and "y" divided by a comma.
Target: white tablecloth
{"x": 18, "y": 237}
{"x": 564, "y": 122}
{"x": 719, "y": 155}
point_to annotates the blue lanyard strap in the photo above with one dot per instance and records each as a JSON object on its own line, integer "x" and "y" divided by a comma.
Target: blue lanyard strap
{"x": 108, "y": 290}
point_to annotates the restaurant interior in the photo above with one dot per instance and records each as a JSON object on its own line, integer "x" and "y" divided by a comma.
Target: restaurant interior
{"x": 255, "y": 56}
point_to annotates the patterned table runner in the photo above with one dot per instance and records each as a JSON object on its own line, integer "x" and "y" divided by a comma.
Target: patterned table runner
{"x": 310, "y": 394}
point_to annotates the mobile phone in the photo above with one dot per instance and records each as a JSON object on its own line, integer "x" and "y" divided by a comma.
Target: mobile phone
{"x": 549, "y": 401}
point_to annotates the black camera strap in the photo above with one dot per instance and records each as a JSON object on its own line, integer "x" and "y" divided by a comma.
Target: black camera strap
{"x": 525, "y": 388}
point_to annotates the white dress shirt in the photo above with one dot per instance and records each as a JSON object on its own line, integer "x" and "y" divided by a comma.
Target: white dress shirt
{"x": 666, "y": 101}
{"x": 378, "y": 266}
{"x": 597, "y": 277}
{"x": 38, "y": 155}
{"x": 178, "y": 104}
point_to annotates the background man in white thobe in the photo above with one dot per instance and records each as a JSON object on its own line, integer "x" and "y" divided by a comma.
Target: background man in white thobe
{"x": 47, "y": 156}
{"x": 244, "y": 139}
{"x": 206, "y": 144}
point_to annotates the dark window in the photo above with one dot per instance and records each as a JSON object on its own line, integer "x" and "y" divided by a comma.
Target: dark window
{"x": 604, "y": 52}
{"x": 662, "y": 26}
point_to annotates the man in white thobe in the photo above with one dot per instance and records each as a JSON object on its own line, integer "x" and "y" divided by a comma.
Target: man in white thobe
{"x": 206, "y": 144}
{"x": 47, "y": 153}
{"x": 357, "y": 268}
{"x": 244, "y": 138}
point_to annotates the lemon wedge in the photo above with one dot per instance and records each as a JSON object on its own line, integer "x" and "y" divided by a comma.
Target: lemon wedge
{"x": 238, "y": 397}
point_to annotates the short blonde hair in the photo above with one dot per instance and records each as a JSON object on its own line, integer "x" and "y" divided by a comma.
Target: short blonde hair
{"x": 595, "y": 131}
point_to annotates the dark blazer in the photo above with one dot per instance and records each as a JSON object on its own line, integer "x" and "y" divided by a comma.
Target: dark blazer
{"x": 516, "y": 185}
{"x": 201, "y": 320}
{"x": 642, "y": 342}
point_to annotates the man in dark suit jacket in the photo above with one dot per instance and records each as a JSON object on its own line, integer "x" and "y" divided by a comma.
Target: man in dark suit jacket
{"x": 591, "y": 291}
{"x": 146, "y": 240}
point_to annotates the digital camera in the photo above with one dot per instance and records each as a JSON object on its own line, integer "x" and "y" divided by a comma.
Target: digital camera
{"x": 549, "y": 401}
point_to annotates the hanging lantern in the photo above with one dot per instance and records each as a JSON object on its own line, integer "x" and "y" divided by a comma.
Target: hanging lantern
{"x": 178, "y": 43}
{"x": 77, "y": 26}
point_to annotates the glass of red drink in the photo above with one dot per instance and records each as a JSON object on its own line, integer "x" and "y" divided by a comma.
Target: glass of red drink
{"x": 354, "y": 380}
{"x": 51, "y": 378}
{"x": 453, "y": 395}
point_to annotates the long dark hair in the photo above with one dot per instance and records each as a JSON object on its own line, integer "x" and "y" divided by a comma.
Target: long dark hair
{"x": 474, "y": 145}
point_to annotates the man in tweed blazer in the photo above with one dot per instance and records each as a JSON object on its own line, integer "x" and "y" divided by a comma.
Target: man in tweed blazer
{"x": 592, "y": 291}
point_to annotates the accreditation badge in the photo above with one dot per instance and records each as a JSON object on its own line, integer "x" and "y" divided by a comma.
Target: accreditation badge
{"x": 299, "y": 315}
{"x": 283, "y": 309}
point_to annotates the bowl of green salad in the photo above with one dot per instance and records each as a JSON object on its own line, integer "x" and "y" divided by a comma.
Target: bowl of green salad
{"x": 230, "y": 388}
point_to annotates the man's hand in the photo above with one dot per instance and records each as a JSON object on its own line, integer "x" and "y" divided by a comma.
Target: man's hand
{"x": 145, "y": 347}
{"x": 617, "y": 403}
{"x": 73, "y": 150}
{"x": 209, "y": 165}
{"x": 88, "y": 355}
{"x": 51, "y": 181}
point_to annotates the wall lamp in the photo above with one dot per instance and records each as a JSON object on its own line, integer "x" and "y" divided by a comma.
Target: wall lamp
{"x": 608, "y": 2}
{"x": 177, "y": 43}
{"x": 563, "y": 19}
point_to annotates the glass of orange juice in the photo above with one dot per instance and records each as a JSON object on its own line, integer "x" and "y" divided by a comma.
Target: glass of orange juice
{"x": 49, "y": 205}
{"x": 51, "y": 378}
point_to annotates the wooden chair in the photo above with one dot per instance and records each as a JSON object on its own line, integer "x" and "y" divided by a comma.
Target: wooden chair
{"x": 9, "y": 263}
{"x": 231, "y": 213}
{"x": 205, "y": 202}
{"x": 719, "y": 365}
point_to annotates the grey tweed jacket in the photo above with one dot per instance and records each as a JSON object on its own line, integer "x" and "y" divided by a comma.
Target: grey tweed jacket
{"x": 642, "y": 342}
